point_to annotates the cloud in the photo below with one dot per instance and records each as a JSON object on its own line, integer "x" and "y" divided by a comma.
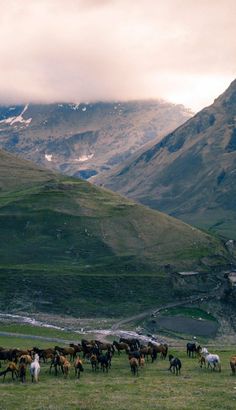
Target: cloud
{"x": 80, "y": 50}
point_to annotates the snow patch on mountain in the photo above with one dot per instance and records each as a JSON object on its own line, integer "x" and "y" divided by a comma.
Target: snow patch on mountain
{"x": 84, "y": 158}
{"x": 18, "y": 118}
{"x": 48, "y": 157}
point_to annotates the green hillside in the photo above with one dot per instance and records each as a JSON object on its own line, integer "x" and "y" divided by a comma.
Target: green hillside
{"x": 69, "y": 246}
{"x": 190, "y": 173}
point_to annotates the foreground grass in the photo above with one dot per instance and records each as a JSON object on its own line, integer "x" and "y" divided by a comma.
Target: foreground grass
{"x": 154, "y": 388}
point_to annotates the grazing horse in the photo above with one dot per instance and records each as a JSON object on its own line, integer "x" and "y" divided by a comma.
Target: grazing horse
{"x": 121, "y": 346}
{"x": 159, "y": 348}
{"x": 58, "y": 362}
{"x": 8, "y": 354}
{"x": 191, "y": 349}
{"x": 35, "y": 369}
{"x": 94, "y": 362}
{"x": 66, "y": 368}
{"x": 134, "y": 344}
{"x": 66, "y": 351}
{"x": 202, "y": 360}
{"x": 233, "y": 364}
{"x": 45, "y": 354}
{"x": 78, "y": 348}
{"x": 212, "y": 360}
{"x": 11, "y": 368}
{"x": 105, "y": 361}
{"x": 134, "y": 366}
{"x": 22, "y": 372}
{"x": 105, "y": 346}
{"x": 89, "y": 348}
{"x": 175, "y": 364}
{"x": 137, "y": 355}
{"x": 26, "y": 359}
{"x": 146, "y": 351}
{"x": 78, "y": 367}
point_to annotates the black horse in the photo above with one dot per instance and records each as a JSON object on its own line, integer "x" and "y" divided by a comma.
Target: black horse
{"x": 191, "y": 349}
{"x": 105, "y": 361}
{"x": 175, "y": 364}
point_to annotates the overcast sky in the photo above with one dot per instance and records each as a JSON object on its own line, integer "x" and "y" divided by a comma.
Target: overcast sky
{"x": 83, "y": 50}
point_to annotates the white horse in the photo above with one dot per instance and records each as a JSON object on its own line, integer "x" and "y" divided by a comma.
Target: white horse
{"x": 212, "y": 360}
{"x": 35, "y": 368}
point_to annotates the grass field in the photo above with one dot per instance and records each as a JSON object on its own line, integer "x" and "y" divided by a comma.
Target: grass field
{"x": 154, "y": 388}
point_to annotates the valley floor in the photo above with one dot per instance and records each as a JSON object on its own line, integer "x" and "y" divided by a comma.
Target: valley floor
{"x": 154, "y": 388}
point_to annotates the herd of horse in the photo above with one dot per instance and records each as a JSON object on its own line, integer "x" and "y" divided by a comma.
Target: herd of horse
{"x": 99, "y": 355}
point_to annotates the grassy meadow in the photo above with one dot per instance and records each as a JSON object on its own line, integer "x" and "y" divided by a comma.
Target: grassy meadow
{"x": 154, "y": 388}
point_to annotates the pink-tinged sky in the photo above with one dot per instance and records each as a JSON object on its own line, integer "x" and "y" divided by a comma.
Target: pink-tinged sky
{"x": 84, "y": 50}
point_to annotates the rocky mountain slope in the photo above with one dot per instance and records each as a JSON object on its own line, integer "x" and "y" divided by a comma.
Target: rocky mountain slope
{"x": 63, "y": 241}
{"x": 85, "y": 139}
{"x": 190, "y": 173}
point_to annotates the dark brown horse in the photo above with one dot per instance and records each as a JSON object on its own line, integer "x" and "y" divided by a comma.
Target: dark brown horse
{"x": 66, "y": 351}
{"x": 233, "y": 364}
{"x": 146, "y": 351}
{"x": 121, "y": 346}
{"x": 161, "y": 348}
{"x": 133, "y": 343}
{"x": 22, "y": 372}
{"x": 105, "y": 346}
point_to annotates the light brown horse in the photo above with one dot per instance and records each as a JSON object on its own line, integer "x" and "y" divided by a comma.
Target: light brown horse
{"x": 78, "y": 365}
{"x": 66, "y": 368}
{"x": 11, "y": 368}
{"x": 25, "y": 358}
{"x": 233, "y": 364}
{"x": 134, "y": 366}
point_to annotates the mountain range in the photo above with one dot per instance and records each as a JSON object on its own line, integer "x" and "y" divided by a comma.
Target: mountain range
{"x": 84, "y": 139}
{"x": 191, "y": 172}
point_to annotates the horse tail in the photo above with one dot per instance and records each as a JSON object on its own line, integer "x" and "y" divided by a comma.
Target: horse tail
{"x": 232, "y": 365}
{"x": 219, "y": 365}
{"x": 166, "y": 350}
